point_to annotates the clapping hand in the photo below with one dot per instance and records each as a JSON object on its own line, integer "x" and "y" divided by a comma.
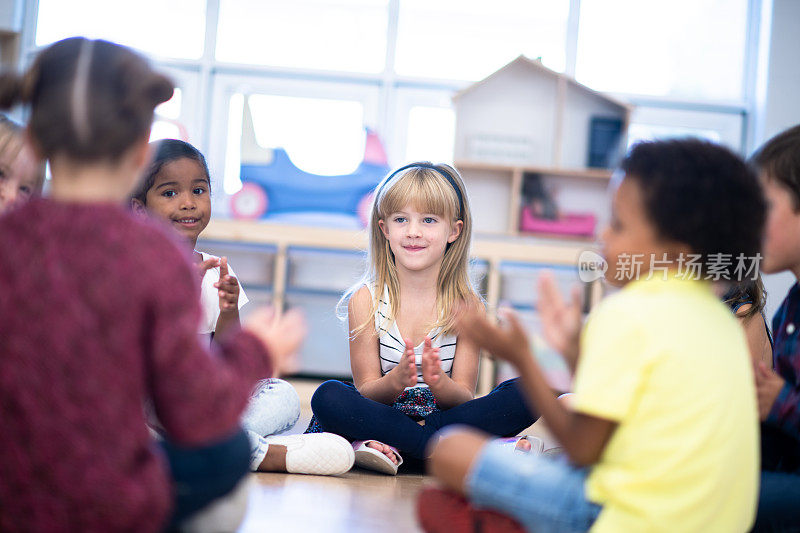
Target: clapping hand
{"x": 508, "y": 341}
{"x": 281, "y": 334}
{"x": 405, "y": 372}
{"x": 206, "y": 265}
{"x": 768, "y": 387}
{"x": 228, "y": 287}
{"x": 431, "y": 364}
{"x": 561, "y": 320}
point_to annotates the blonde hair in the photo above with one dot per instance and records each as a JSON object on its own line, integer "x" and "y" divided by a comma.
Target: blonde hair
{"x": 435, "y": 189}
{"x": 12, "y": 143}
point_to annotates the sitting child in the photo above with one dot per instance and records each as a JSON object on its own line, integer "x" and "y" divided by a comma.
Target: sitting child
{"x": 778, "y": 163}
{"x": 99, "y": 314}
{"x": 662, "y": 431}
{"x": 411, "y": 374}
{"x": 176, "y": 188}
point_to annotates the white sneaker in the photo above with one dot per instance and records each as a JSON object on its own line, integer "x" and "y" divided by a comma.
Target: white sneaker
{"x": 323, "y": 454}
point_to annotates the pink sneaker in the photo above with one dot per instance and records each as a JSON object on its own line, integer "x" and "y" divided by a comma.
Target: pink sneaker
{"x": 443, "y": 511}
{"x": 372, "y": 459}
{"x": 537, "y": 444}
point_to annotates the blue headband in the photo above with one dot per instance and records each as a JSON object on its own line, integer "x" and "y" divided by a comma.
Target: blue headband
{"x": 445, "y": 175}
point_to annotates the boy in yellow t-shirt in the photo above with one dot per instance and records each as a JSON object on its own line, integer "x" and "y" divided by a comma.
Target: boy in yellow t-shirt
{"x": 663, "y": 431}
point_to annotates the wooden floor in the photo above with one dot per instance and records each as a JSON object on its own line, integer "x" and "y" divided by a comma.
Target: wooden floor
{"x": 359, "y": 501}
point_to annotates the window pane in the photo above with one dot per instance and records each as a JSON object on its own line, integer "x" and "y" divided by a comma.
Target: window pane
{"x": 665, "y": 123}
{"x": 166, "y": 123}
{"x": 431, "y": 134}
{"x": 164, "y": 129}
{"x": 172, "y": 107}
{"x": 320, "y": 136}
{"x": 652, "y": 132}
{"x": 683, "y": 48}
{"x": 469, "y": 39}
{"x": 322, "y": 34}
{"x": 169, "y": 29}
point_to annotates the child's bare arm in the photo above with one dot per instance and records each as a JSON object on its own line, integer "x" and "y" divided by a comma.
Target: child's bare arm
{"x": 228, "y": 291}
{"x": 769, "y": 385}
{"x": 584, "y": 437}
{"x": 365, "y": 361}
{"x": 197, "y": 396}
{"x": 281, "y": 333}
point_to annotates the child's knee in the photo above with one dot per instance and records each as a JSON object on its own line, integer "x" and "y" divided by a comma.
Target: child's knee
{"x": 567, "y": 399}
{"x": 273, "y": 407}
{"x": 327, "y": 397}
{"x": 450, "y": 444}
{"x": 451, "y": 453}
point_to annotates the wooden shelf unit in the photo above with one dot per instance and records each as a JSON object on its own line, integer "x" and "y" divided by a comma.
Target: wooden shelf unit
{"x": 494, "y": 251}
{"x": 528, "y": 119}
{"x": 600, "y": 174}
{"x": 513, "y": 176}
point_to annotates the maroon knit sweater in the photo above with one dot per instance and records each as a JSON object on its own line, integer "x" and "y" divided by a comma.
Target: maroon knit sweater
{"x": 98, "y": 311}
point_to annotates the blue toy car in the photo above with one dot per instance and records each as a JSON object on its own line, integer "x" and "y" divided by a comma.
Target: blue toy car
{"x": 280, "y": 188}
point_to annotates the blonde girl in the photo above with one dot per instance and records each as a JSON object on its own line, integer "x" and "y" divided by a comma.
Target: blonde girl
{"x": 412, "y": 375}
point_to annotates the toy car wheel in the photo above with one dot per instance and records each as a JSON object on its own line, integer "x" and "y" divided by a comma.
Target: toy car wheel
{"x": 251, "y": 202}
{"x": 364, "y": 208}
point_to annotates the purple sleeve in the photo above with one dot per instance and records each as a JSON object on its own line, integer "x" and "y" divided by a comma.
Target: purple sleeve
{"x": 198, "y": 391}
{"x": 785, "y": 412}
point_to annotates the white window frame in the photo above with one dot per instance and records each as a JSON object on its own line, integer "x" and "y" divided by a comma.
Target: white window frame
{"x": 404, "y": 99}
{"x": 226, "y": 85}
{"x": 188, "y": 81}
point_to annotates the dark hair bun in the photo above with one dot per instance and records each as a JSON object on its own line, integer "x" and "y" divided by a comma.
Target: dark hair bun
{"x": 160, "y": 89}
{"x": 145, "y": 88}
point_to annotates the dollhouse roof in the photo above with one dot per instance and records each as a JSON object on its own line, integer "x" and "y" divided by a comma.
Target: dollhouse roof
{"x": 536, "y": 65}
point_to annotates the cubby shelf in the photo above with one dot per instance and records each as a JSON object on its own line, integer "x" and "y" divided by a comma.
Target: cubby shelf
{"x": 504, "y": 183}
{"x": 600, "y": 174}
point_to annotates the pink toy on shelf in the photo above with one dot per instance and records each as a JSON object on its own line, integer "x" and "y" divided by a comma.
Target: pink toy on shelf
{"x": 573, "y": 224}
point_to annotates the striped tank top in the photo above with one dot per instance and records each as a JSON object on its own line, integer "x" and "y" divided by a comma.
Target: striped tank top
{"x": 391, "y": 345}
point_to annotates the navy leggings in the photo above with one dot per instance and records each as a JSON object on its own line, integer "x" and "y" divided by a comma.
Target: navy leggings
{"x": 779, "y": 491}
{"x": 341, "y": 409}
{"x": 202, "y": 474}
